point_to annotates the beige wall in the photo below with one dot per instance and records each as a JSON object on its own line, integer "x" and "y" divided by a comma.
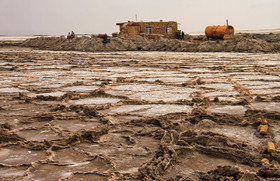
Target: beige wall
{"x": 158, "y": 29}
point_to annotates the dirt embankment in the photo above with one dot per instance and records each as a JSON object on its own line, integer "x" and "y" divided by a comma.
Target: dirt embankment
{"x": 241, "y": 43}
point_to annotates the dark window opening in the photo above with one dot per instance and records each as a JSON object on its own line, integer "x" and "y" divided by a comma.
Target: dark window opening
{"x": 149, "y": 30}
{"x": 168, "y": 29}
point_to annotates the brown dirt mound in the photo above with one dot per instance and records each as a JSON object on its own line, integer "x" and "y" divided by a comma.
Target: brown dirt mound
{"x": 94, "y": 44}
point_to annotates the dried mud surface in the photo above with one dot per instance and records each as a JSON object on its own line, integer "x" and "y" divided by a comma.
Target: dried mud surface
{"x": 138, "y": 115}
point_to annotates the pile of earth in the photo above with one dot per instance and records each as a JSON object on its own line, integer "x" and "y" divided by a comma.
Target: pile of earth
{"x": 242, "y": 43}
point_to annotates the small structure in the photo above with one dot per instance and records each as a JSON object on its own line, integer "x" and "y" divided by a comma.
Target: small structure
{"x": 220, "y": 32}
{"x": 150, "y": 30}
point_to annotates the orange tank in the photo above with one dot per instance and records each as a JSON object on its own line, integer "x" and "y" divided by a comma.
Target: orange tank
{"x": 219, "y": 31}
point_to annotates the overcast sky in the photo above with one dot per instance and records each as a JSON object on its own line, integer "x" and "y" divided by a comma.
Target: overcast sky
{"x": 57, "y": 17}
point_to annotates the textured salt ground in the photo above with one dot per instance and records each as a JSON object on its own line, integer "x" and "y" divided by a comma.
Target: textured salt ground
{"x": 137, "y": 115}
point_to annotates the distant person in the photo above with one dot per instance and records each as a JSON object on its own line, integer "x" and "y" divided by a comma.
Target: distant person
{"x": 181, "y": 34}
{"x": 69, "y": 35}
{"x": 73, "y": 34}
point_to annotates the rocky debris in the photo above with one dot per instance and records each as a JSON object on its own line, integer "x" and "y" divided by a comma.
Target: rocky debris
{"x": 267, "y": 43}
{"x": 269, "y": 171}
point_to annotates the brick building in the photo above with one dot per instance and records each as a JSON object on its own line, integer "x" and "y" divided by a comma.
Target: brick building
{"x": 149, "y": 29}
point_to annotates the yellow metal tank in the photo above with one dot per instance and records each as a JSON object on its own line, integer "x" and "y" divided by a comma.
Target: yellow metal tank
{"x": 219, "y": 31}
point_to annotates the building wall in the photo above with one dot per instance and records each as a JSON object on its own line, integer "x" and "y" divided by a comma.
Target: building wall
{"x": 159, "y": 29}
{"x": 128, "y": 30}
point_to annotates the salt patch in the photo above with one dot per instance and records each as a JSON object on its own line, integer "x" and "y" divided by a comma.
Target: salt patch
{"x": 160, "y": 96}
{"x": 16, "y": 155}
{"x": 96, "y": 101}
{"x": 227, "y": 109}
{"x": 138, "y": 87}
{"x": 173, "y": 80}
{"x": 230, "y": 99}
{"x": 38, "y": 135}
{"x": 148, "y": 110}
{"x": 268, "y": 106}
{"x": 256, "y": 77}
{"x": 265, "y": 91}
{"x": 6, "y": 172}
{"x": 268, "y": 62}
{"x": 80, "y": 88}
{"x": 126, "y": 109}
{"x": 218, "y": 86}
{"x": 53, "y": 94}
{"x": 76, "y": 125}
{"x": 159, "y": 110}
{"x": 219, "y": 93}
{"x": 245, "y": 134}
{"x": 11, "y": 90}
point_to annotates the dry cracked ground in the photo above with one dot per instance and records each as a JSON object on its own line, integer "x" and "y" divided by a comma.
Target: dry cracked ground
{"x": 138, "y": 115}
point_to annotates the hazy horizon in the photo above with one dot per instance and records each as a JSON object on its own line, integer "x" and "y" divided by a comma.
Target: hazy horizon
{"x": 58, "y": 17}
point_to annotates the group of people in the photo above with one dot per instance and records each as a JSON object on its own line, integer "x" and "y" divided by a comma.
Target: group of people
{"x": 71, "y": 35}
